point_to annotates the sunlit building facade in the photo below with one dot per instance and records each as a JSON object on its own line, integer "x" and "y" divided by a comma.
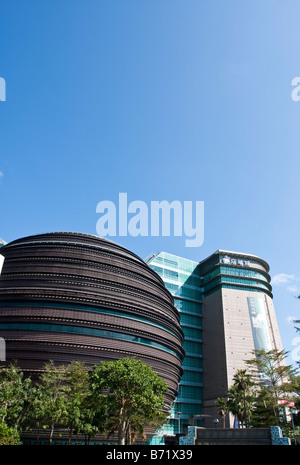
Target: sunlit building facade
{"x": 73, "y": 296}
{"x": 70, "y": 296}
{"x": 238, "y": 318}
{"x": 226, "y": 313}
{"x": 182, "y": 278}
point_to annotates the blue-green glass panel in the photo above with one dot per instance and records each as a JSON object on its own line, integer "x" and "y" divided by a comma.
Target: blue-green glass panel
{"x": 82, "y": 330}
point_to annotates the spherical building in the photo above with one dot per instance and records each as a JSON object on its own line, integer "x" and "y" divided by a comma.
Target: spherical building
{"x": 70, "y": 296}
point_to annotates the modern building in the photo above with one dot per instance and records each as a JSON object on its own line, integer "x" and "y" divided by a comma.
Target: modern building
{"x": 182, "y": 278}
{"x": 238, "y": 318}
{"x": 226, "y": 312}
{"x": 70, "y": 296}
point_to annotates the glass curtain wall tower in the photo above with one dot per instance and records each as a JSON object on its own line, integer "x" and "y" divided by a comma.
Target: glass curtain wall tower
{"x": 182, "y": 278}
{"x": 226, "y": 312}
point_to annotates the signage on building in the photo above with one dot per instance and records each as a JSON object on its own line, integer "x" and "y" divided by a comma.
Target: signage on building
{"x": 235, "y": 261}
{"x": 286, "y": 402}
{"x": 259, "y": 323}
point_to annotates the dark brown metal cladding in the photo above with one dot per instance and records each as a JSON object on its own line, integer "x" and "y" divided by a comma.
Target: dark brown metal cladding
{"x": 72, "y": 296}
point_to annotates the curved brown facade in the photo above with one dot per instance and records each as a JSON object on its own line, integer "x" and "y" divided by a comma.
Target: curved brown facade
{"x": 71, "y": 296}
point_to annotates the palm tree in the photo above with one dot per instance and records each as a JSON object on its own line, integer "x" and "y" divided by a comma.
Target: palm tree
{"x": 240, "y": 398}
{"x": 223, "y": 409}
{"x": 244, "y": 388}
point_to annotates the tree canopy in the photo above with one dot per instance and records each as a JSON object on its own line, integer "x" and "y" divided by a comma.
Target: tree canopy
{"x": 132, "y": 394}
{"x": 259, "y": 394}
{"x": 123, "y": 395}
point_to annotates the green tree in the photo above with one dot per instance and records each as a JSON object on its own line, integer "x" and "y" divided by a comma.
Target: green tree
{"x": 14, "y": 396}
{"x": 274, "y": 378}
{"x": 239, "y": 399}
{"x": 51, "y": 388}
{"x": 9, "y": 436}
{"x": 263, "y": 413}
{"x": 62, "y": 396}
{"x": 245, "y": 391}
{"x": 77, "y": 392}
{"x": 132, "y": 394}
{"x": 223, "y": 408}
{"x": 37, "y": 412}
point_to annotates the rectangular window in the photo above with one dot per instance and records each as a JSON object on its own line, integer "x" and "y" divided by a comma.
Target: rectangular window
{"x": 192, "y": 347}
{"x": 190, "y": 320}
{"x": 192, "y": 362}
{"x": 192, "y": 333}
{"x": 192, "y": 377}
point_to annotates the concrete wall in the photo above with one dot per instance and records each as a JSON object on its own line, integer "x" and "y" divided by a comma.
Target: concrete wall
{"x": 230, "y": 436}
{"x": 228, "y": 342}
{"x": 234, "y": 437}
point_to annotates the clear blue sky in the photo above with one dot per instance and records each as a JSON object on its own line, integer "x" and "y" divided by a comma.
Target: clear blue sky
{"x": 164, "y": 100}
